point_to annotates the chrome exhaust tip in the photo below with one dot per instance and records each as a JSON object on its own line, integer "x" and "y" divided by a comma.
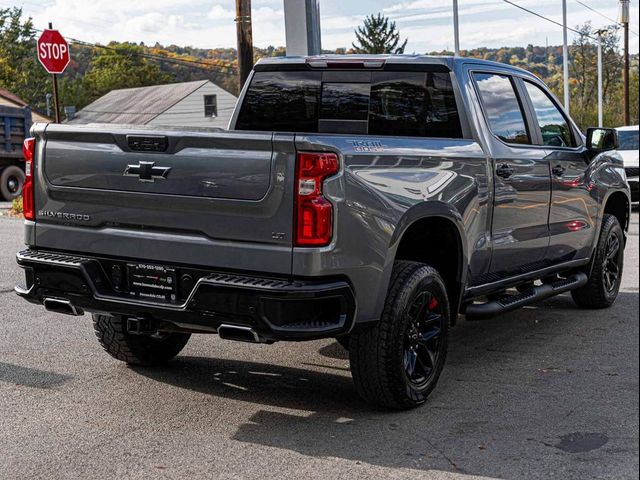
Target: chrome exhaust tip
{"x": 60, "y": 305}
{"x": 239, "y": 333}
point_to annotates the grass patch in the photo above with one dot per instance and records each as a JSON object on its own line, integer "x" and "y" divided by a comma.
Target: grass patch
{"x": 16, "y": 206}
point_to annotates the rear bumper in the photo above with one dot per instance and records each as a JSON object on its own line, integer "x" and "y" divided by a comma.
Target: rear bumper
{"x": 276, "y": 308}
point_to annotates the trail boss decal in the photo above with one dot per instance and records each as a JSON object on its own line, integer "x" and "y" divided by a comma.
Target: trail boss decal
{"x": 367, "y": 146}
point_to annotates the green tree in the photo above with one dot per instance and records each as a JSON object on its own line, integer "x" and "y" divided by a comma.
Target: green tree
{"x": 378, "y": 35}
{"x": 20, "y": 71}
{"x": 122, "y": 65}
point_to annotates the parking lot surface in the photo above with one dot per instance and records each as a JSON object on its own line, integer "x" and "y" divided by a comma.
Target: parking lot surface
{"x": 549, "y": 391}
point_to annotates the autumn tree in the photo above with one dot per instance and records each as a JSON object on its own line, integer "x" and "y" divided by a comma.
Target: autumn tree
{"x": 122, "y": 65}
{"x": 20, "y": 71}
{"x": 378, "y": 35}
{"x": 583, "y": 69}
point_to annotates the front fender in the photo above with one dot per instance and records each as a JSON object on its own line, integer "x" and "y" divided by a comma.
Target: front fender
{"x": 608, "y": 177}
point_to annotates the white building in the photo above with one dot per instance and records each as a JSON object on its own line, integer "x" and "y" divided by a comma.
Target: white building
{"x": 188, "y": 104}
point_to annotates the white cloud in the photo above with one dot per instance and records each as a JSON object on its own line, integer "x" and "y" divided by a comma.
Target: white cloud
{"x": 210, "y": 23}
{"x": 218, "y": 12}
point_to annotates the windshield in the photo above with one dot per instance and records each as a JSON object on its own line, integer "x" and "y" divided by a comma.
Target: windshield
{"x": 628, "y": 139}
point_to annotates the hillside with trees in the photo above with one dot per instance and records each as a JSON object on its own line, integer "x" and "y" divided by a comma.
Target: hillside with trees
{"x": 97, "y": 69}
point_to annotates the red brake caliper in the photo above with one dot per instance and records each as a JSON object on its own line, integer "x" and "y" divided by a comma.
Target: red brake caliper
{"x": 433, "y": 304}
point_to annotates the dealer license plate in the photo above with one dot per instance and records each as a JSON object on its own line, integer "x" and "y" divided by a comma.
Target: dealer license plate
{"x": 152, "y": 282}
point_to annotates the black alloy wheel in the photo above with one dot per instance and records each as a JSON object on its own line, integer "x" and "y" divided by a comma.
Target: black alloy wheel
{"x": 396, "y": 361}
{"x": 611, "y": 266}
{"x": 422, "y": 338}
{"x": 605, "y": 272}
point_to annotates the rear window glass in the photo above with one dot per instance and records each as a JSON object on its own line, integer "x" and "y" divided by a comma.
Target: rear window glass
{"x": 281, "y": 101}
{"x": 345, "y": 101}
{"x": 418, "y": 104}
{"x": 414, "y": 104}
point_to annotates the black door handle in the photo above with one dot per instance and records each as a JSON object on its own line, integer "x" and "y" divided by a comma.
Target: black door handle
{"x": 505, "y": 170}
{"x": 558, "y": 170}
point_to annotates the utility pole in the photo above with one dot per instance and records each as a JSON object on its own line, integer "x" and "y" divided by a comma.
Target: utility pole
{"x": 624, "y": 20}
{"x": 565, "y": 56}
{"x": 245, "y": 40}
{"x": 600, "y": 33}
{"x": 302, "y": 27}
{"x": 456, "y": 30}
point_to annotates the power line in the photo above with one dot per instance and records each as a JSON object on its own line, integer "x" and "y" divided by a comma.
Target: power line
{"x": 546, "y": 18}
{"x": 161, "y": 58}
{"x": 597, "y": 12}
{"x": 602, "y": 15}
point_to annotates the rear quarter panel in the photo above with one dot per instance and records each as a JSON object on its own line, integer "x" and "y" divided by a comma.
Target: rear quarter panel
{"x": 384, "y": 186}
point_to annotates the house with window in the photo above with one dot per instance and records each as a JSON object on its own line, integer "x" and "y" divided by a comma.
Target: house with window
{"x": 188, "y": 104}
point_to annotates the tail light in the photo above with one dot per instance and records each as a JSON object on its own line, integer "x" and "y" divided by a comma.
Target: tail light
{"x": 313, "y": 212}
{"x": 28, "y": 150}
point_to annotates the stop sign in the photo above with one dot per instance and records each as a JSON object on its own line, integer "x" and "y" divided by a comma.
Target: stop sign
{"x": 53, "y": 51}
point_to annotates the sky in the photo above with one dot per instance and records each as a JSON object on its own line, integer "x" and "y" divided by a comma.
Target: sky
{"x": 426, "y": 23}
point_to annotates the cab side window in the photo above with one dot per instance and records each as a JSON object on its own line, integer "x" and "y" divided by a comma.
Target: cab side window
{"x": 502, "y": 108}
{"x": 556, "y": 131}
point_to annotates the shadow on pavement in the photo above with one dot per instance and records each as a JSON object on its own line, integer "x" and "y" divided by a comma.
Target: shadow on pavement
{"x": 30, "y": 377}
{"x": 261, "y": 383}
{"x": 516, "y": 392}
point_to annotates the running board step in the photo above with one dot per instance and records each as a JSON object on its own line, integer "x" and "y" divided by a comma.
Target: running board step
{"x": 480, "y": 311}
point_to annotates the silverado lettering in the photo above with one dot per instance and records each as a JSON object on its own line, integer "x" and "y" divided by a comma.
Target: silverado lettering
{"x": 64, "y": 215}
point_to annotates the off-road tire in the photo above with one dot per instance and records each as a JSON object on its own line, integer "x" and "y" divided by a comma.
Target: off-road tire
{"x": 377, "y": 354}
{"x": 17, "y": 175}
{"x": 144, "y": 350}
{"x": 595, "y": 294}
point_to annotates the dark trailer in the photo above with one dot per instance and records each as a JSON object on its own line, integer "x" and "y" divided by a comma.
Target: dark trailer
{"x": 15, "y": 124}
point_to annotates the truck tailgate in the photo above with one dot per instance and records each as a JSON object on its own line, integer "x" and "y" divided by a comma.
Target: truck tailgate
{"x": 205, "y": 197}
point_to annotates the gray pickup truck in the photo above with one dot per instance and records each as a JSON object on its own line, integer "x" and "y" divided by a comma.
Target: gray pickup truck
{"x": 369, "y": 199}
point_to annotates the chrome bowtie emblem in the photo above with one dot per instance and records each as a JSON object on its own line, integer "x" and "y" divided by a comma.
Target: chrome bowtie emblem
{"x": 146, "y": 171}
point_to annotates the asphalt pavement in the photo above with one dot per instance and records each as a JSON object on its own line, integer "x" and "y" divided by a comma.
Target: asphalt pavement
{"x": 546, "y": 392}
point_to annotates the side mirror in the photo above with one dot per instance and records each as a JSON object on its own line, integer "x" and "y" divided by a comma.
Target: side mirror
{"x": 602, "y": 139}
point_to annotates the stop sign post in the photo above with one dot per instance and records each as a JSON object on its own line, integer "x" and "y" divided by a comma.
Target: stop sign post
{"x": 53, "y": 54}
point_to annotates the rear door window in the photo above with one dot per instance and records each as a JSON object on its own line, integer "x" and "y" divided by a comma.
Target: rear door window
{"x": 417, "y": 104}
{"x": 502, "y": 107}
